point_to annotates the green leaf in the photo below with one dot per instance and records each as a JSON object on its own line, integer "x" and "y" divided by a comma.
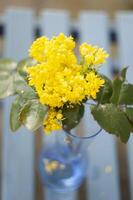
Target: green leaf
{"x": 15, "y": 84}
{"x": 112, "y": 120}
{"x": 123, "y": 73}
{"x": 7, "y": 65}
{"x": 105, "y": 93}
{"x": 24, "y": 64}
{"x": 126, "y": 94}
{"x": 72, "y": 115}
{"x": 22, "y": 88}
{"x": 129, "y": 113}
{"x": 117, "y": 84}
{"x": 7, "y": 68}
{"x": 18, "y": 77}
{"x": 33, "y": 114}
{"x": 6, "y": 85}
{"x": 14, "y": 114}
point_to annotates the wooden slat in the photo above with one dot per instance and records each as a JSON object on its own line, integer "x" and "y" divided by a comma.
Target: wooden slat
{"x": 95, "y": 32}
{"x": 1, "y": 124}
{"x": 103, "y": 171}
{"x": 18, "y": 149}
{"x": 49, "y": 195}
{"x": 123, "y": 172}
{"x": 53, "y": 22}
{"x": 124, "y": 25}
{"x": 38, "y": 148}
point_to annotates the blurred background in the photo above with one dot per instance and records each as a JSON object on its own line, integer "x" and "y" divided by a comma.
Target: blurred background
{"x": 74, "y": 6}
{"x": 105, "y": 23}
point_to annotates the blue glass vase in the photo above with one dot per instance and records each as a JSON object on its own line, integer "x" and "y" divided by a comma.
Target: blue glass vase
{"x": 64, "y": 161}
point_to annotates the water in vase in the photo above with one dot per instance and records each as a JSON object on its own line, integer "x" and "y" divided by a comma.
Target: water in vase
{"x": 63, "y": 166}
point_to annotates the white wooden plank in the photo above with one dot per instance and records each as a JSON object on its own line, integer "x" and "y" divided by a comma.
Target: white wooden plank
{"x": 103, "y": 171}
{"x": 124, "y": 25}
{"x": 54, "y": 22}
{"x": 18, "y": 149}
{"x": 93, "y": 27}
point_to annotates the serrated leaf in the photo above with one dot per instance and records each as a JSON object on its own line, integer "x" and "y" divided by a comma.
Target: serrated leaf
{"x": 6, "y": 85}
{"x": 15, "y": 84}
{"x": 7, "y": 65}
{"x": 126, "y": 94}
{"x": 14, "y": 114}
{"x": 117, "y": 84}
{"x": 103, "y": 96}
{"x": 33, "y": 114}
{"x": 129, "y": 113}
{"x": 72, "y": 116}
{"x": 123, "y": 73}
{"x": 18, "y": 77}
{"x": 112, "y": 120}
{"x": 22, "y": 88}
{"x": 24, "y": 64}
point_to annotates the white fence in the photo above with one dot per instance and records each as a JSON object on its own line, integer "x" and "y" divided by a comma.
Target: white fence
{"x": 18, "y": 171}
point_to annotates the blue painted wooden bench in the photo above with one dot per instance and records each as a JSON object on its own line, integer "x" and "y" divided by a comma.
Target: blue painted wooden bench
{"x": 18, "y": 171}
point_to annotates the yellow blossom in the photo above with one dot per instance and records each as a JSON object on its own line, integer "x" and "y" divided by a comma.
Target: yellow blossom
{"x": 53, "y": 121}
{"x": 38, "y": 49}
{"x": 92, "y": 54}
{"x": 94, "y": 83}
{"x": 58, "y": 78}
{"x": 58, "y": 49}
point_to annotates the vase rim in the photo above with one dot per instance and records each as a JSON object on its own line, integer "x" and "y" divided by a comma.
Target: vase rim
{"x": 83, "y": 137}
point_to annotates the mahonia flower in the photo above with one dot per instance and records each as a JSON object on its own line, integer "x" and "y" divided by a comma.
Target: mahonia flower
{"x": 58, "y": 78}
{"x": 94, "y": 83}
{"x": 58, "y": 49}
{"x": 38, "y": 49}
{"x": 53, "y": 121}
{"x": 93, "y": 55}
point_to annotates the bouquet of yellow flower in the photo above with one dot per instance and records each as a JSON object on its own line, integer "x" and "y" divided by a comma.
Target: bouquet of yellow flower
{"x": 52, "y": 86}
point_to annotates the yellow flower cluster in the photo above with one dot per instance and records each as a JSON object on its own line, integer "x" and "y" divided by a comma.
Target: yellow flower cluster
{"x": 53, "y": 120}
{"x": 92, "y": 55}
{"x": 59, "y": 79}
{"x": 57, "y": 50}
